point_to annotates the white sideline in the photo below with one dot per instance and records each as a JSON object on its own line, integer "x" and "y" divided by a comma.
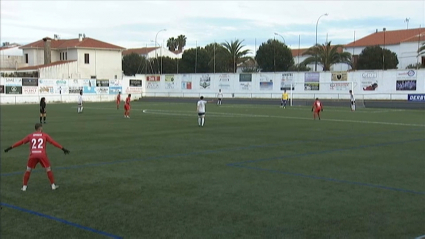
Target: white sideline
{"x": 218, "y": 114}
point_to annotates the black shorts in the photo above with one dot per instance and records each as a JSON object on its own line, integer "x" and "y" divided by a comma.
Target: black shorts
{"x": 353, "y": 102}
{"x": 42, "y": 110}
{"x": 201, "y": 114}
{"x": 219, "y": 99}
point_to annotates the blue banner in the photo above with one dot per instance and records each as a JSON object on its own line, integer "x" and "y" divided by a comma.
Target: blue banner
{"x": 416, "y": 97}
{"x": 113, "y": 90}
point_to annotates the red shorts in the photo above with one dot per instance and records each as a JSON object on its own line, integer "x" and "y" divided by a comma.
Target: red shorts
{"x": 127, "y": 107}
{"x": 317, "y": 110}
{"x": 34, "y": 160}
{"x": 118, "y": 102}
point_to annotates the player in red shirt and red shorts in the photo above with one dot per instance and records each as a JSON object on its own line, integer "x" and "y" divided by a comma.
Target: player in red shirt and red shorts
{"x": 127, "y": 106}
{"x": 317, "y": 108}
{"x": 118, "y": 100}
{"x": 38, "y": 154}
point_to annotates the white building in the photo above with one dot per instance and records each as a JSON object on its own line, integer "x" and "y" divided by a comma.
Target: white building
{"x": 79, "y": 58}
{"x": 404, "y": 43}
{"x": 11, "y": 57}
{"x": 149, "y": 52}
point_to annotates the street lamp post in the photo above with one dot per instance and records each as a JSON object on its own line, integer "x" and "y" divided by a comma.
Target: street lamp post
{"x": 277, "y": 34}
{"x": 383, "y": 52}
{"x": 156, "y": 43}
{"x": 315, "y": 57}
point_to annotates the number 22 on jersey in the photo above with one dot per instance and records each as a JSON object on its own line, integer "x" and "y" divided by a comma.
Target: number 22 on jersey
{"x": 37, "y": 143}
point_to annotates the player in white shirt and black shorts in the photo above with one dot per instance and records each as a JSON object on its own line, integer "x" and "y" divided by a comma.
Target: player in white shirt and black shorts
{"x": 353, "y": 101}
{"x": 219, "y": 97}
{"x": 80, "y": 102}
{"x": 200, "y": 107}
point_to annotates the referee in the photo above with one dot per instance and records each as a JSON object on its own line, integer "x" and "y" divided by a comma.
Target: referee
{"x": 43, "y": 109}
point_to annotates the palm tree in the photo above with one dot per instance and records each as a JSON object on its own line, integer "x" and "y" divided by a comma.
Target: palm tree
{"x": 172, "y": 44}
{"x": 181, "y": 42}
{"x": 235, "y": 53}
{"x": 327, "y": 55}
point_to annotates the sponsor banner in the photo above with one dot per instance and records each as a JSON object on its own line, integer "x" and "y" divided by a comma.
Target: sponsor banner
{"x": 1, "y": 89}
{"x": 406, "y": 75}
{"x": 224, "y": 81}
{"x": 46, "y": 82}
{"x": 169, "y": 82}
{"x": 102, "y": 90}
{"x": 245, "y": 77}
{"x": 61, "y": 82}
{"x": 343, "y": 86}
{"x": 339, "y": 76}
{"x": 153, "y": 78}
{"x": 409, "y": 85}
{"x": 89, "y": 86}
{"x": 245, "y": 85}
{"x": 61, "y": 89}
{"x": 152, "y": 82}
{"x": 29, "y": 90}
{"x": 113, "y": 90}
{"x": 29, "y": 82}
{"x": 133, "y": 90}
{"x": 16, "y": 90}
{"x": 75, "y": 89}
{"x": 135, "y": 83}
{"x": 369, "y": 85}
{"x": 416, "y": 97}
{"x": 102, "y": 83}
{"x": 311, "y": 81}
{"x": 266, "y": 85}
{"x": 13, "y": 81}
{"x": 46, "y": 89}
{"x": 114, "y": 83}
{"x": 205, "y": 82}
{"x": 186, "y": 82}
{"x": 369, "y": 75}
{"x": 286, "y": 80}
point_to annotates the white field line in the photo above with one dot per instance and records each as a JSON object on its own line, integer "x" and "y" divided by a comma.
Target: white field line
{"x": 218, "y": 114}
{"x": 420, "y": 237}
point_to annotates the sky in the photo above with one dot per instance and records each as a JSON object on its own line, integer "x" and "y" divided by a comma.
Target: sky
{"x": 133, "y": 24}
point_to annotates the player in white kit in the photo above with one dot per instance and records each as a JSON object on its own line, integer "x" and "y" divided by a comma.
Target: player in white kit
{"x": 353, "y": 101}
{"x": 200, "y": 107}
{"x": 219, "y": 97}
{"x": 80, "y": 102}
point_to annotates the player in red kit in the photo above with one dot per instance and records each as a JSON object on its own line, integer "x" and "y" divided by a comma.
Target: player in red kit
{"x": 118, "y": 100}
{"x": 317, "y": 108}
{"x": 38, "y": 154}
{"x": 127, "y": 106}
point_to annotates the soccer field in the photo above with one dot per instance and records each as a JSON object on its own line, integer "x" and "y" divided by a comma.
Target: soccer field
{"x": 253, "y": 171}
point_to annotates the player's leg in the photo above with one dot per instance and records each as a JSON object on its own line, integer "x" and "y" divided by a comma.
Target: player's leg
{"x": 46, "y": 165}
{"x": 32, "y": 162}
{"x": 281, "y": 103}
{"x": 203, "y": 119}
{"x": 44, "y": 117}
{"x": 128, "y": 112}
{"x": 318, "y": 113}
{"x": 41, "y": 116}
{"x": 199, "y": 119}
{"x": 284, "y": 103}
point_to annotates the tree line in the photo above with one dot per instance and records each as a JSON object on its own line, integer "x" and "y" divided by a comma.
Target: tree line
{"x": 271, "y": 56}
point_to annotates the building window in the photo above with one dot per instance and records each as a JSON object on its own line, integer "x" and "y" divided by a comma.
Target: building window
{"x": 26, "y": 58}
{"x": 92, "y": 77}
{"x": 61, "y": 56}
{"x": 116, "y": 77}
{"x": 66, "y": 55}
{"x": 423, "y": 61}
{"x": 86, "y": 58}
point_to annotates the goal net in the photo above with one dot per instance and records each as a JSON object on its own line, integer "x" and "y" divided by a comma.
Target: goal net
{"x": 332, "y": 93}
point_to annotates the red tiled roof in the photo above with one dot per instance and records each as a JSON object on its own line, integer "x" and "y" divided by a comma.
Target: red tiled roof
{"x": 391, "y": 37}
{"x": 139, "y": 51}
{"x": 298, "y": 52}
{"x": 47, "y": 65}
{"x": 73, "y": 43}
{"x": 7, "y": 47}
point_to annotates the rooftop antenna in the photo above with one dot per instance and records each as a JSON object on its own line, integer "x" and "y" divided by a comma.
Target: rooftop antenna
{"x": 407, "y": 22}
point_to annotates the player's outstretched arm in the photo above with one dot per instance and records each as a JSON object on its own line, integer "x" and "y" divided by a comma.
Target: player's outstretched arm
{"x": 56, "y": 144}
{"x": 17, "y": 144}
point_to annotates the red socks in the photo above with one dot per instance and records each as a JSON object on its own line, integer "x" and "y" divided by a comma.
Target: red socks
{"x": 26, "y": 177}
{"x": 50, "y": 176}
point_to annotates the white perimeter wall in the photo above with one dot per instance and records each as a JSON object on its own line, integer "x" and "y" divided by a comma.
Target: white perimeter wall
{"x": 257, "y": 85}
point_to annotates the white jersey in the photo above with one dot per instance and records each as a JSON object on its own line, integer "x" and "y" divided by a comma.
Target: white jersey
{"x": 80, "y": 99}
{"x": 220, "y": 95}
{"x": 352, "y": 98}
{"x": 201, "y": 106}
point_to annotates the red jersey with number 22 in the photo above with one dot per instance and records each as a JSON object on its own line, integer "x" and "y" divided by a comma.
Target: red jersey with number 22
{"x": 37, "y": 142}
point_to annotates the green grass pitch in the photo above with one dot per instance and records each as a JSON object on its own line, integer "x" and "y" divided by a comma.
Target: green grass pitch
{"x": 253, "y": 171}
